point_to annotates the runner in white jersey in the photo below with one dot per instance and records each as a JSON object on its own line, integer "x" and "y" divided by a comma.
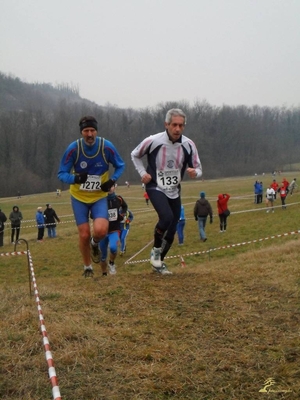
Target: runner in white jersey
{"x": 169, "y": 155}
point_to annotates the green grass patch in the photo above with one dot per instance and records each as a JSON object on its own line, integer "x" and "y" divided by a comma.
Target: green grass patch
{"x": 218, "y": 328}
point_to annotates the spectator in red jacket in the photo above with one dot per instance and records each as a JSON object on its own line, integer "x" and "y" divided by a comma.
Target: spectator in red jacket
{"x": 286, "y": 184}
{"x": 275, "y": 186}
{"x": 283, "y": 194}
{"x": 223, "y": 210}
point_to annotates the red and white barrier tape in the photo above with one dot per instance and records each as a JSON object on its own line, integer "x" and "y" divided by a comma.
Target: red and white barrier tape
{"x": 51, "y": 370}
{"x": 13, "y": 253}
{"x": 46, "y": 225}
{"x": 216, "y": 248}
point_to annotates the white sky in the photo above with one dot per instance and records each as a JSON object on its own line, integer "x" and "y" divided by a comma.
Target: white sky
{"x": 139, "y": 53}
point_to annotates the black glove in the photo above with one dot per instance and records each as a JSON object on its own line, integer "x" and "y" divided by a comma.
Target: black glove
{"x": 105, "y": 187}
{"x": 211, "y": 221}
{"x": 81, "y": 178}
{"x": 196, "y": 218}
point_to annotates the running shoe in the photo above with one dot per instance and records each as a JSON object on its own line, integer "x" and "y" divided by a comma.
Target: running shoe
{"x": 95, "y": 253}
{"x": 163, "y": 270}
{"x": 112, "y": 268}
{"x": 88, "y": 271}
{"x": 155, "y": 259}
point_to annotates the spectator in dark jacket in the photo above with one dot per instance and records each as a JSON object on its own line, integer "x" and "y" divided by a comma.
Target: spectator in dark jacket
{"x": 15, "y": 218}
{"x": 3, "y": 219}
{"x": 50, "y": 220}
{"x": 201, "y": 210}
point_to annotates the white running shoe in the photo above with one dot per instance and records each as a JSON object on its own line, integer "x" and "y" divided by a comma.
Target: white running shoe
{"x": 112, "y": 268}
{"x": 162, "y": 270}
{"x": 155, "y": 259}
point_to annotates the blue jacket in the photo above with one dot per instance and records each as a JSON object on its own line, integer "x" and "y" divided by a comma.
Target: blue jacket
{"x": 40, "y": 220}
{"x": 256, "y": 187}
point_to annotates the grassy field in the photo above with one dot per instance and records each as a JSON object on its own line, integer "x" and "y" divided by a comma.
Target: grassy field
{"x": 225, "y": 322}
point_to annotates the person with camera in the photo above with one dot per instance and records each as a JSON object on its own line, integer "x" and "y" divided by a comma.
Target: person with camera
{"x": 223, "y": 210}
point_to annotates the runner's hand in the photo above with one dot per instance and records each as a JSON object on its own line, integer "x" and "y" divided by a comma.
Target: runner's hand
{"x": 105, "y": 187}
{"x": 81, "y": 178}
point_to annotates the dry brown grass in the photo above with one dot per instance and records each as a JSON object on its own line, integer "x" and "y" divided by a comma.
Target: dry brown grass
{"x": 216, "y": 329}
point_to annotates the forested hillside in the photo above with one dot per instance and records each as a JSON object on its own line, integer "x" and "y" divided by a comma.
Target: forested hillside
{"x": 38, "y": 121}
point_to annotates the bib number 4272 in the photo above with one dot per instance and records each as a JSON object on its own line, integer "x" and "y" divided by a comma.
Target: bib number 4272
{"x": 93, "y": 184}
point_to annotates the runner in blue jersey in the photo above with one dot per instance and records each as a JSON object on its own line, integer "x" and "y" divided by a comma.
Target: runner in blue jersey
{"x": 85, "y": 166}
{"x": 117, "y": 208}
{"x": 169, "y": 155}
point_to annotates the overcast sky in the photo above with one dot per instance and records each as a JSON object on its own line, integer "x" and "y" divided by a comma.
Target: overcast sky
{"x": 139, "y": 53}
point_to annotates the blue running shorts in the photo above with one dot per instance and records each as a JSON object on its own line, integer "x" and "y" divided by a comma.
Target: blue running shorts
{"x": 84, "y": 211}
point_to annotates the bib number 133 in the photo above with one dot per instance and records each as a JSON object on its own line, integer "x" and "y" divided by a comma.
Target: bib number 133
{"x": 168, "y": 179}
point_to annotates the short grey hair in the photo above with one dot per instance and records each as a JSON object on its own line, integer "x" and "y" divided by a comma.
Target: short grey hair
{"x": 175, "y": 112}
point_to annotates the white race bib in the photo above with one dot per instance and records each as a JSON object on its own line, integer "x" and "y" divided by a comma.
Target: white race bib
{"x": 93, "y": 184}
{"x": 168, "y": 179}
{"x": 113, "y": 214}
